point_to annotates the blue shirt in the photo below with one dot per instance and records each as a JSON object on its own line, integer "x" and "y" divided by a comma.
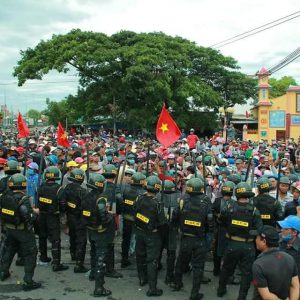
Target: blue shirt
{"x": 32, "y": 185}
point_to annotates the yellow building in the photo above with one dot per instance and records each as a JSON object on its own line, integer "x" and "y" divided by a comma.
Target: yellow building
{"x": 277, "y": 118}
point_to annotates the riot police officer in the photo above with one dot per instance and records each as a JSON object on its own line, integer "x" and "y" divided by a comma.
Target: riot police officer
{"x": 220, "y": 232}
{"x": 169, "y": 233}
{"x": 195, "y": 220}
{"x": 269, "y": 208}
{"x": 149, "y": 217}
{"x": 113, "y": 195}
{"x": 49, "y": 218}
{"x": 72, "y": 195}
{"x": 17, "y": 217}
{"x": 239, "y": 218}
{"x": 97, "y": 219}
{"x": 130, "y": 195}
{"x": 11, "y": 167}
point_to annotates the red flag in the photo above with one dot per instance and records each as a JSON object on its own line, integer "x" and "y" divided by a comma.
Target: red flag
{"x": 22, "y": 127}
{"x": 167, "y": 131}
{"x": 62, "y": 139}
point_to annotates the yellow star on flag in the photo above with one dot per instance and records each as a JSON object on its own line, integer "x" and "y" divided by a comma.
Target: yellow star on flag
{"x": 64, "y": 136}
{"x": 164, "y": 127}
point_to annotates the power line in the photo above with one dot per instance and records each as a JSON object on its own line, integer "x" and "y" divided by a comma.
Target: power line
{"x": 44, "y": 82}
{"x": 251, "y": 30}
{"x": 245, "y": 35}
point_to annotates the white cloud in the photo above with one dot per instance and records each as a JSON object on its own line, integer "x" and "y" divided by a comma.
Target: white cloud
{"x": 204, "y": 21}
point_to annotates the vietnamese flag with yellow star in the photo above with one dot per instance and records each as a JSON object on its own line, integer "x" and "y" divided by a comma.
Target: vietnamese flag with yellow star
{"x": 167, "y": 131}
{"x": 62, "y": 138}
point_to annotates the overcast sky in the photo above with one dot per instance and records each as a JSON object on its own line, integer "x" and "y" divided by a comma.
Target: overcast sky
{"x": 23, "y": 23}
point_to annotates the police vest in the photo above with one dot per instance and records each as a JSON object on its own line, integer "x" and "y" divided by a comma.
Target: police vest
{"x": 146, "y": 215}
{"x": 89, "y": 213}
{"x": 73, "y": 196}
{"x": 110, "y": 194}
{"x": 3, "y": 184}
{"x": 266, "y": 206}
{"x": 129, "y": 199}
{"x": 10, "y": 203}
{"x": 170, "y": 202}
{"x": 240, "y": 220}
{"x": 193, "y": 215}
{"x": 48, "y": 199}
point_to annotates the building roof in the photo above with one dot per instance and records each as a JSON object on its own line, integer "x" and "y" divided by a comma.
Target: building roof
{"x": 263, "y": 71}
{"x": 293, "y": 88}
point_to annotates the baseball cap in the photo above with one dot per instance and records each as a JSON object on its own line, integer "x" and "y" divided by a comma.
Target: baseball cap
{"x": 239, "y": 161}
{"x": 267, "y": 232}
{"x": 72, "y": 163}
{"x": 79, "y": 160}
{"x": 33, "y": 166}
{"x": 291, "y": 221}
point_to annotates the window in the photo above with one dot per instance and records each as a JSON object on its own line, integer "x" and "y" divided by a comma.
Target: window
{"x": 297, "y": 102}
{"x": 264, "y": 94}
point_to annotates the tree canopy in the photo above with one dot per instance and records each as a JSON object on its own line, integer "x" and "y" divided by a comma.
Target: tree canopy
{"x": 130, "y": 75}
{"x": 279, "y": 86}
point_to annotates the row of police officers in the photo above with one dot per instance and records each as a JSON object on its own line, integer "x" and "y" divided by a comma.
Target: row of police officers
{"x": 158, "y": 220}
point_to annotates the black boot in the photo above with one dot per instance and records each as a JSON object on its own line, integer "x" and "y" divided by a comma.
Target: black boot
{"x": 197, "y": 276}
{"x": 56, "y": 254}
{"x": 101, "y": 292}
{"x": 20, "y": 262}
{"x": 45, "y": 259}
{"x": 60, "y": 267}
{"x": 169, "y": 279}
{"x": 125, "y": 263}
{"x": 152, "y": 279}
{"x": 4, "y": 275}
{"x": 113, "y": 274}
{"x": 32, "y": 285}
{"x": 142, "y": 273}
{"x": 80, "y": 268}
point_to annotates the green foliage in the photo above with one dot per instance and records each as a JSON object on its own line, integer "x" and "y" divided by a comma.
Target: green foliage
{"x": 279, "y": 86}
{"x": 130, "y": 75}
{"x": 34, "y": 114}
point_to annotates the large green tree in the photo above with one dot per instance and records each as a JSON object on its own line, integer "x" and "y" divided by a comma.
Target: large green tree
{"x": 279, "y": 86}
{"x": 129, "y": 75}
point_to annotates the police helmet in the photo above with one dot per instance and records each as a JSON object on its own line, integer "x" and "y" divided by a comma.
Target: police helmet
{"x": 243, "y": 190}
{"x": 228, "y": 188}
{"x": 52, "y": 173}
{"x": 109, "y": 171}
{"x": 76, "y": 175}
{"x": 263, "y": 185}
{"x": 169, "y": 187}
{"x": 138, "y": 178}
{"x": 96, "y": 181}
{"x": 17, "y": 182}
{"x": 12, "y": 167}
{"x": 194, "y": 186}
{"x": 152, "y": 184}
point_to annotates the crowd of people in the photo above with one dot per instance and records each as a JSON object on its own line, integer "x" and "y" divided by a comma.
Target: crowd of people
{"x": 199, "y": 195}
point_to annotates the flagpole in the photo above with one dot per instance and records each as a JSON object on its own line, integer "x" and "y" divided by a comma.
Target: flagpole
{"x": 64, "y": 167}
{"x": 25, "y": 155}
{"x": 148, "y": 158}
{"x": 87, "y": 161}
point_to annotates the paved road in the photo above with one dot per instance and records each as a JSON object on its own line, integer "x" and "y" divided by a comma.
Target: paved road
{"x": 68, "y": 285}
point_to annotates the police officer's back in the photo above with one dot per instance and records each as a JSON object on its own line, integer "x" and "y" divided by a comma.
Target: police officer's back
{"x": 49, "y": 219}
{"x": 269, "y": 208}
{"x": 97, "y": 219}
{"x": 149, "y": 217}
{"x": 17, "y": 217}
{"x": 11, "y": 167}
{"x": 220, "y": 240}
{"x": 130, "y": 194}
{"x": 72, "y": 195}
{"x": 239, "y": 219}
{"x": 195, "y": 220}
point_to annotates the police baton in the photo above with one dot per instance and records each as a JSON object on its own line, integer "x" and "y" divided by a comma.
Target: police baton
{"x": 248, "y": 168}
{"x": 194, "y": 164}
{"x": 87, "y": 161}
{"x": 26, "y": 155}
{"x": 204, "y": 171}
{"x": 148, "y": 159}
{"x": 278, "y": 180}
{"x": 63, "y": 172}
